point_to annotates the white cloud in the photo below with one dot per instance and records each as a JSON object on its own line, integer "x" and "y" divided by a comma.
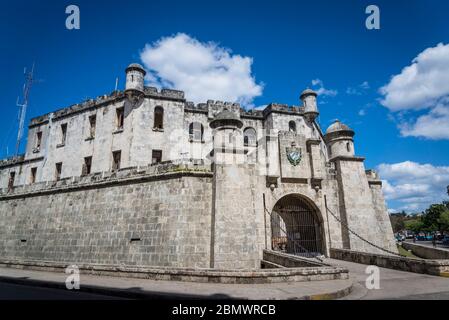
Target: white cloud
{"x": 358, "y": 90}
{"x": 321, "y": 90}
{"x": 362, "y": 112}
{"x": 414, "y": 186}
{"x": 423, "y": 85}
{"x": 203, "y": 70}
{"x": 434, "y": 125}
{"x": 420, "y": 84}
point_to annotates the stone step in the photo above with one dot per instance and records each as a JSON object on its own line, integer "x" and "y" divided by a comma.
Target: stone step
{"x": 269, "y": 265}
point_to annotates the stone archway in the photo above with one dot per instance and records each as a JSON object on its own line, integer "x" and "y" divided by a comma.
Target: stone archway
{"x": 296, "y": 227}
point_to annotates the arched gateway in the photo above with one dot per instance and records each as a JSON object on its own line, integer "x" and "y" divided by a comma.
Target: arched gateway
{"x": 297, "y": 227}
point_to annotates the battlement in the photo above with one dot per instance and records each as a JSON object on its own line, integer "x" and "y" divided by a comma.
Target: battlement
{"x": 164, "y": 93}
{"x": 282, "y": 108}
{"x": 85, "y": 105}
{"x": 150, "y": 172}
{"x": 12, "y": 160}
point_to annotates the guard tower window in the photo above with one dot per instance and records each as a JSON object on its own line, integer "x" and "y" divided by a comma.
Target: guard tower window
{"x": 156, "y": 156}
{"x": 348, "y": 147}
{"x": 249, "y": 137}
{"x": 87, "y": 166}
{"x": 63, "y": 133}
{"x": 92, "y": 126}
{"x": 196, "y": 131}
{"x": 120, "y": 114}
{"x": 116, "y": 159}
{"x": 12, "y": 176}
{"x": 58, "y": 171}
{"x": 158, "y": 118}
{"x": 33, "y": 175}
{"x": 38, "y": 140}
{"x": 292, "y": 126}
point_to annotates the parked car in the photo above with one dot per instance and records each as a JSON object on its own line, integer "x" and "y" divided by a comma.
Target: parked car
{"x": 409, "y": 234}
{"x": 446, "y": 240}
{"x": 424, "y": 237}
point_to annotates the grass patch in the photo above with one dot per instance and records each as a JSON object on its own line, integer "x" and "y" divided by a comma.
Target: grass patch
{"x": 406, "y": 253}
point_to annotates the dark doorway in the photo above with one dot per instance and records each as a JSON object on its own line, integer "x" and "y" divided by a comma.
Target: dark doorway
{"x": 296, "y": 228}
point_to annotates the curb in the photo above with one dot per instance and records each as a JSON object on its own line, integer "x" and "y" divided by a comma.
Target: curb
{"x": 132, "y": 294}
{"x": 330, "y": 296}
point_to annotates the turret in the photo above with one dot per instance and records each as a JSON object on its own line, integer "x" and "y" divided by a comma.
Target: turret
{"x": 135, "y": 74}
{"x": 339, "y": 139}
{"x": 308, "y": 98}
{"x": 228, "y": 138}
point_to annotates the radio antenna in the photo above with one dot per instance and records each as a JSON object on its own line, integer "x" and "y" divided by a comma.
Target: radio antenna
{"x": 29, "y": 80}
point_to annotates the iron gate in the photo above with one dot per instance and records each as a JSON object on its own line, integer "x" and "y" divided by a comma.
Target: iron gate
{"x": 296, "y": 228}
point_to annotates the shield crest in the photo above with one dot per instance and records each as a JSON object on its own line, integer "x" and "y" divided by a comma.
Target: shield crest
{"x": 294, "y": 155}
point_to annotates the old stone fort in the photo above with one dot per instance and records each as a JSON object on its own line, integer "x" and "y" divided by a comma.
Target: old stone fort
{"x": 142, "y": 177}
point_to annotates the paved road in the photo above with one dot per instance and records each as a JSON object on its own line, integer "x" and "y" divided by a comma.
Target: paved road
{"x": 159, "y": 289}
{"x": 395, "y": 284}
{"x": 429, "y": 244}
{"x": 9, "y": 291}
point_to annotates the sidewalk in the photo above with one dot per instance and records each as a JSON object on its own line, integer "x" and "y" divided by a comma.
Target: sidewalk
{"x": 394, "y": 284}
{"x": 152, "y": 289}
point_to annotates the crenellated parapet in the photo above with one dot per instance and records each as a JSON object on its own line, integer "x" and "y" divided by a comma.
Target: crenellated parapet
{"x": 159, "y": 171}
{"x": 164, "y": 93}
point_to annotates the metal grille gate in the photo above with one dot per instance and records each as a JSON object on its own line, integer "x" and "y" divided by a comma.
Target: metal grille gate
{"x": 296, "y": 228}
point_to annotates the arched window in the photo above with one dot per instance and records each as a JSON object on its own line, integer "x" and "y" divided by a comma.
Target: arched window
{"x": 348, "y": 146}
{"x": 196, "y": 131}
{"x": 292, "y": 126}
{"x": 249, "y": 137}
{"x": 158, "y": 118}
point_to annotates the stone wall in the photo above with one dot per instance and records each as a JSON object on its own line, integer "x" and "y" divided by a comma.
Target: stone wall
{"x": 426, "y": 252}
{"x": 433, "y": 267}
{"x": 358, "y": 210}
{"x": 158, "y": 221}
{"x": 238, "y": 218}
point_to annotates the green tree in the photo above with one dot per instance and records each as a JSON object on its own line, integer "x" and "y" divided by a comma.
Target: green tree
{"x": 397, "y": 221}
{"x": 414, "y": 225}
{"x": 444, "y": 221}
{"x": 432, "y": 215}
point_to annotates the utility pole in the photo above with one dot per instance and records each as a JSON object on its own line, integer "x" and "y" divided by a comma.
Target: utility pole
{"x": 29, "y": 79}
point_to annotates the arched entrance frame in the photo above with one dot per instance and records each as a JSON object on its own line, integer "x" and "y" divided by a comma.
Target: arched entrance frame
{"x": 306, "y": 204}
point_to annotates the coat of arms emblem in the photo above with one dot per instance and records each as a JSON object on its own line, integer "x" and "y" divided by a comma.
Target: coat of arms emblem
{"x": 294, "y": 155}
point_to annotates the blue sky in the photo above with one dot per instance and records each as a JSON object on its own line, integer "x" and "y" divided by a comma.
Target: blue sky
{"x": 285, "y": 44}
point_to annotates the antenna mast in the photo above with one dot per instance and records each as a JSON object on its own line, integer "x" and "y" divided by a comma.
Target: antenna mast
{"x": 23, "y": 106}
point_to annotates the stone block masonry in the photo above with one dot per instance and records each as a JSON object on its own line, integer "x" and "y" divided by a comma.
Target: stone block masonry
{"x": 162, "y": 221}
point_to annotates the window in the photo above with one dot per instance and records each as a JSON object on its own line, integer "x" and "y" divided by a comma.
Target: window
{"x": 12, "y": 176}
{"x": 92, "y": 126}
{"x": 58, "y": 171}
{"x": 196, "y": 131}
{"x": 33, "y": 175}
{"x": 249, "y": 137}
{"x": 156, "y": 156}
{"x": 87, "y": 166}
{"x": 292, "y": 126}
{"x": 120, "y": 113}
{"x": 38, "y": 140}
{"x": 116, "y": 159}
{"x": 63, "y": 133}
{"x": 158, "y": 118}
{"x": 348, "y": 146}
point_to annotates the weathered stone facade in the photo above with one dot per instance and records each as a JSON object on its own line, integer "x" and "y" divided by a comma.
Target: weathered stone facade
{"x": 144, "y": 177}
